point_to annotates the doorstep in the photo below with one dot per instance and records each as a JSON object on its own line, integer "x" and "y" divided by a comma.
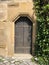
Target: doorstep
{"x": 23, "y": 56}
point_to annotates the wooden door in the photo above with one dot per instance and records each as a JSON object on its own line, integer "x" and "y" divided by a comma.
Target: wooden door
{"x": 23, "y": 35}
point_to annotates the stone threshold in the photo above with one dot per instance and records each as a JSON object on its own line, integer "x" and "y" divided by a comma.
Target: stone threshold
{"x": 23, "y": 56}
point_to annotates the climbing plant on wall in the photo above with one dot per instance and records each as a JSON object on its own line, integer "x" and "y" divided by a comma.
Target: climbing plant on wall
{"x": 42, "y": 39}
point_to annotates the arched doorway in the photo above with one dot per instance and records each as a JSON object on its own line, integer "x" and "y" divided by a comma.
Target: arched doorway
{"x": 23, "y": 35}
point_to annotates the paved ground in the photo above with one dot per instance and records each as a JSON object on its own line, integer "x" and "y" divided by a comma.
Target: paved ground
{"x": 15, "y": 61}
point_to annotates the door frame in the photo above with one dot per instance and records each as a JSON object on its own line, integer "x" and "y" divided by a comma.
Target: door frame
{"x": 33, "y": 30}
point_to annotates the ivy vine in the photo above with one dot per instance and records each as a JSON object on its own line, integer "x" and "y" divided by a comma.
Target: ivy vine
{"x": 42, "y": 39}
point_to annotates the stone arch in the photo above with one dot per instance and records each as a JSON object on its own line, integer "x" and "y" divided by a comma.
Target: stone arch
{"x": 24, "y": 15}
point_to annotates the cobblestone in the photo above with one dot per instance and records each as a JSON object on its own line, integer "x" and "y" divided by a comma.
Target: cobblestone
{"x": 15, "y": 61}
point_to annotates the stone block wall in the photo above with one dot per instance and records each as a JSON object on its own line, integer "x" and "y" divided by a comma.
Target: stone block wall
{"x": 9, "y": 13}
